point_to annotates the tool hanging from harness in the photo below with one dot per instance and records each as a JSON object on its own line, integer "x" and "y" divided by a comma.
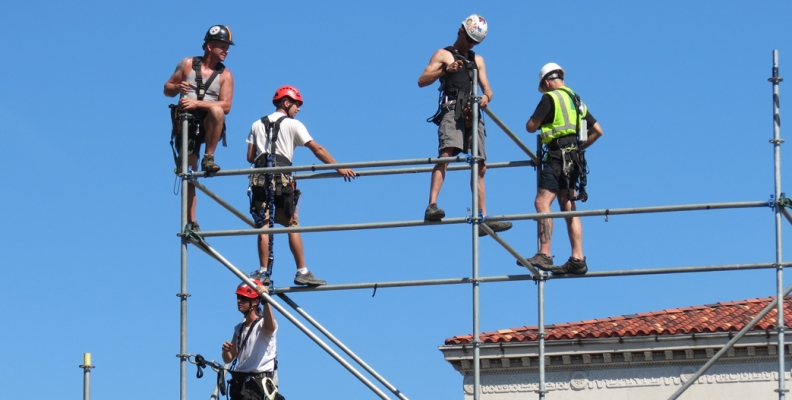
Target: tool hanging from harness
{"x": 571, "y": 164}
{"x": 279, "y": 191}
{"x": 456, "y": 91}
{"x": 195, "y": 131}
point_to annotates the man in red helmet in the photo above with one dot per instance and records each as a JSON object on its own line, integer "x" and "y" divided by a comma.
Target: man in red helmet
{"x": 454, "y": 66}
{"x": 206, "y": 87}
{"x": 289, "y": 134}
{"x": 253, "y": 347}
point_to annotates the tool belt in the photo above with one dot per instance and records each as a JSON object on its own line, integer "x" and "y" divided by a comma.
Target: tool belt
{"x": 568, "y": 162}
{"x": 286, "y": 193}
{"x": 247, "y": 384}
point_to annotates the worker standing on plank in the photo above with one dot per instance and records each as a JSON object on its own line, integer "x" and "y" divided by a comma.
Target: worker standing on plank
{"x": 567, "y": 128}
{"x": 454, "y": 66}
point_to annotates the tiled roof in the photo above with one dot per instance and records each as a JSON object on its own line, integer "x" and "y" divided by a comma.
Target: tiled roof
{"x": 720, "y": 317}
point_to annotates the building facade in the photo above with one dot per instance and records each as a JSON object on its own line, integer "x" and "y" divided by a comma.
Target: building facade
{"x": 640, "y": 356}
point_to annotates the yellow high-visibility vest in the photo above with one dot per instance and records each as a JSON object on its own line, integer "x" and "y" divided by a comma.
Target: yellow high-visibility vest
{"x": 565, "y": 121}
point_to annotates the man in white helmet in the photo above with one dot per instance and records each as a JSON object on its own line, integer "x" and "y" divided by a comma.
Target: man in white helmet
{"x": 566, "y": 128}
{"x": 453, "y": 65}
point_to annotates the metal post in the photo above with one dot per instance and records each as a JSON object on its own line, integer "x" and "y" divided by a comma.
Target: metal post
{"x": 203, "y": 246}
{"x": 341, "y": 346}
{"x": 776, "y": 141}
{"x": 731, "y": 343}
{"x": 540, "y": 284}
{"x": 541, "y": 335}
{"x": 86, "y": 366}
{"x": 185, "y": 175}
{"x": 475, "y": 219}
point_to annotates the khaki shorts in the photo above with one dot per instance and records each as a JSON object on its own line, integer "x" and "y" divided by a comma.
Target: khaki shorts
{"x": 280, "y": 215}
{"x": 452, "y": 134}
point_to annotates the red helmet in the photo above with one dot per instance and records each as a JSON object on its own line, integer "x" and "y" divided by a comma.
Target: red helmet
{"x": 287, "y": 91}
{"x": 245, "y": 290}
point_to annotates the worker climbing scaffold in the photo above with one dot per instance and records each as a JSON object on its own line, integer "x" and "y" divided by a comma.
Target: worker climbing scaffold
{"x": 274, "y": 138}
{"x": 252, "y": 351}
{"x": 564, "y": 121}
{"x": 454, "y": 66}
{"x": 206, "y": 87}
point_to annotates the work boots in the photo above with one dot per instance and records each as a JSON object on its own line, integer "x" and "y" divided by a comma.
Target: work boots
{"x": 434, "y": 213}
{"x": 496, "y": 227}
{"x": 208, "y": 164}
{"x": 572, "y": 266}
{"x": 541, "y": 261}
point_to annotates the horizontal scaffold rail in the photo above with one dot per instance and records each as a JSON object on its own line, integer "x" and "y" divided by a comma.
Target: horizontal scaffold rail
{"x": 395, "y": 171}
{"x": 505, "y": 217}
{"x": 507, "y": 278}
{"x": 324, "y": 167}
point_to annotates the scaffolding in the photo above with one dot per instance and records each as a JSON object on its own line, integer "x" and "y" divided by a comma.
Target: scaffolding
{"x": 778, "y": 203}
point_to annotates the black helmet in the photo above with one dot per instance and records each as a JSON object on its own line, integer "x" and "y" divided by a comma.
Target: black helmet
{"x": 219, "y": 32}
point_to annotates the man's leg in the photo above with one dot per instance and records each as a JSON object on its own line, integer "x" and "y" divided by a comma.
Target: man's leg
{"x": 296, "y": 247}
{"x": 215, "y": 118}
{"x": 544, "y": 198}
{"x": 482, "y": 192}
{"x": 303, "y": 275}
{"x": 433, "y": 213}
{"x": 574, "y": 226}
{"x": 263, "y": 248}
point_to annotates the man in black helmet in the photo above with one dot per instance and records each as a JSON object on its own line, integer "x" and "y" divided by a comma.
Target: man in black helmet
{"x": 454, "y": 66}
{"x": 206, "y": 87}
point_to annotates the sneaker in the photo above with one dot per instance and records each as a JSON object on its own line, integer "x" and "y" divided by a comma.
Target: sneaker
{"x": 541, "y": 261}
{"x": 434, "y": 213}
{"x": 572, "y": 266}
{"x": 208, "y": 164}
{"x": 263, "y": 276}
{"x": 308, "y": 279}
{"x": 496, "y": 227}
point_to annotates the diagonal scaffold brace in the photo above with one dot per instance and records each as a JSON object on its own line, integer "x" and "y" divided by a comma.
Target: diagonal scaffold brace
{"x": 198, "y": 241}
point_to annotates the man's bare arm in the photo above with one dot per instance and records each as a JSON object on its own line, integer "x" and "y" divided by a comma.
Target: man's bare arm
{"x": 173, "y": 85}
{"x": 323, "y": 155}
{"x": 486, "y": 92}
{"x": 593, "y": 134}
{"x": 251, "y": 153}
{"x": 532, "y": 125}
{"x": 440, "y": 59}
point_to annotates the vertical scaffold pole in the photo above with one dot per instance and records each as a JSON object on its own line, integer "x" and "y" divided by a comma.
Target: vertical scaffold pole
{"x": 775, "y": 80}
{"x": 475, "y": 219}
{"x": 86, "y": 366}
{"x": 540, "y": 283}
{"x": 183, "y": 291}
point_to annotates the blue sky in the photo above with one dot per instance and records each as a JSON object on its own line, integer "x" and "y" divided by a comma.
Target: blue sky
{"x": 90, "y": 256}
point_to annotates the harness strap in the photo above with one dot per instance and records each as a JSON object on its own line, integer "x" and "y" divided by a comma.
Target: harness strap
{"x": 242, "y": 342}
{"x": 200, "y": 90}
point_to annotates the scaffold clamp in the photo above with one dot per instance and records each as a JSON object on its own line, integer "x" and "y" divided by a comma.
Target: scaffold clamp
{"x": 783, "y": 201}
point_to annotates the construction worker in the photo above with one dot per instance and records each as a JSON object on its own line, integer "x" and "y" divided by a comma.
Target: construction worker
{"x": 454, "y": 67}
{"x": 207, "y": 95}
{"x": 253, "y": 348}
{"x": 567, "y": 127}
{"x": 289, "y": 134}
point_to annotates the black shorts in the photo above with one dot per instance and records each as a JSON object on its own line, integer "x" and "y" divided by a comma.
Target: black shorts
{"x": 548, "y": 179}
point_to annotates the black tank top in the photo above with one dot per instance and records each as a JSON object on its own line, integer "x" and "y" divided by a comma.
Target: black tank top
{"x": 458, "y": 83}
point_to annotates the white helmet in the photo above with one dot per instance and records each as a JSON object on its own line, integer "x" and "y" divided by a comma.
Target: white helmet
{"x": 476, "y": 27}
{"x": 548, "y": 68}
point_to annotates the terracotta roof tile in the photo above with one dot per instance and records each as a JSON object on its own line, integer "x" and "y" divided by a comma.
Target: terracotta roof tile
{"x": 721, "y": 317}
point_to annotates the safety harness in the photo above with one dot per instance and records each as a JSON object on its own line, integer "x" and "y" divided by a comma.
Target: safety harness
{"x": 452, "y": 95}
{"x": 282, "y": 187}
{"x": 570, "y": 154}
{"x": 261, "y": 379}
{"x": 194, "y": 134}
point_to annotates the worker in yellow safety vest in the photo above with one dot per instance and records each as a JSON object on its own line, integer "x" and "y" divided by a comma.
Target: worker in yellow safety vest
{"x": 567, "y": 128}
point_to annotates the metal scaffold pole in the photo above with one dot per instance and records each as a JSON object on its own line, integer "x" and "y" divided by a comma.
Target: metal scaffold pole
{"x": 540, "y": 283}
{"x": 185, "y": 182}
{"x": 776, "y": 141}
{"x": 86, "y": 367}
{"x": 475, "y": 218}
